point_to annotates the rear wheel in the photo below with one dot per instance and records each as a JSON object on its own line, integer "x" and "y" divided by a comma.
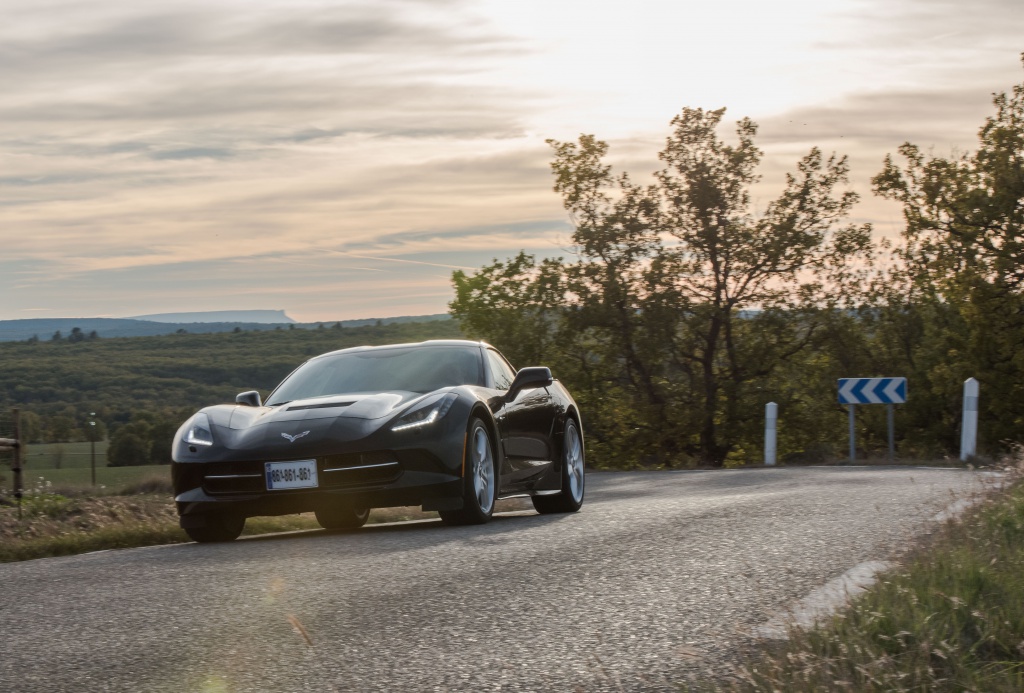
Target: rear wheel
{"x": 342, "y": 517}
{"x": 480, "y": 481}
{"x": 570, "y": 499}
{"x": 218, "y": 528}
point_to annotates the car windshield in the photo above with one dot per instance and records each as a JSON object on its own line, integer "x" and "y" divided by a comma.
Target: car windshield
{"x": 414, "y": 369}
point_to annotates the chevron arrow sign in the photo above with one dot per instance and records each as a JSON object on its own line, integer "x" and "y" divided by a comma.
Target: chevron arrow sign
{"x": 872, "y": 390}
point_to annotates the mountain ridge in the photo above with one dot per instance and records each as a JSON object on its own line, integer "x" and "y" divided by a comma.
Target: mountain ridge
{"x": 270, "y": 317}
{"x": 45, "y": 329}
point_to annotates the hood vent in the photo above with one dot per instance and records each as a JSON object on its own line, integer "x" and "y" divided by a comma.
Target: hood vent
{"x": 326, "y": 405}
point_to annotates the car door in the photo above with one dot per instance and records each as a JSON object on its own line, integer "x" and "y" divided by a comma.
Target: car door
{"x": 524, "y": 423}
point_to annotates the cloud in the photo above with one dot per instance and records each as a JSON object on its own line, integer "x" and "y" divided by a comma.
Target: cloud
{"x": 162, "y": 156}
{"x": 194, "y": 153}
{"x": 203, "y": 62}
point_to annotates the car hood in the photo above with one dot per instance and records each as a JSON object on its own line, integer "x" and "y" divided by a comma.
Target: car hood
{"x": 302, "y": 428}
{"x": 353, "y": 406}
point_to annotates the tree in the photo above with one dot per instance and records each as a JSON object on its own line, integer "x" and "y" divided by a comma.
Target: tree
{"x": 61, "y": 429}
{"x": 128, "y": 448}
{"x": 515, "y": 304}
{"x": 963, "y": 246}
{"x": 683, "y": 302}
{"x": 31, "y": 427}
{"x": 161, "y": 437}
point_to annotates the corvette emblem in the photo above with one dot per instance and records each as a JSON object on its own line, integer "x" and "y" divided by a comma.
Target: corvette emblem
{"x": 292, "y": 439}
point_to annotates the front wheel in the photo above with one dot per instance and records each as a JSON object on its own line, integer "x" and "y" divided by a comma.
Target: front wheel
{"x": 570, "y": 499}
{"x": 218, "y": 528}
{"x": 479, "y": 482}
{"x": 341, "y": 517}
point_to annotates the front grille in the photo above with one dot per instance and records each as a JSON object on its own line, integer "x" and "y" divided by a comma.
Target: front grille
{"x": 234, "y": 477}
{"x": 358, "y": 469}
{"x": 333, "y": 471}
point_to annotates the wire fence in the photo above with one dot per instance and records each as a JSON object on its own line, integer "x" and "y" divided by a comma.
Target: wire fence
{"x": 6, "y": 424}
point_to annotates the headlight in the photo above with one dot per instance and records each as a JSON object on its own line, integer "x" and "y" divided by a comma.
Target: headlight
{"x": 199, "y": 431}
{"x": 426, "y": 413}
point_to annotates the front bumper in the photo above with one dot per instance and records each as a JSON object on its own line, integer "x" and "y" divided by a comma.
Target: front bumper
{"x": 375, "y": 479}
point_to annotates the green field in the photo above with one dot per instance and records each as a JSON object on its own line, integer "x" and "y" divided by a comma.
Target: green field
{"x": 63, "y": 455}
{"x": 108, "y": 479}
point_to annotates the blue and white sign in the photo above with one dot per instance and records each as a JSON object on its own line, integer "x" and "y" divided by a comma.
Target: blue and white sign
{"x": 872, "y": 390}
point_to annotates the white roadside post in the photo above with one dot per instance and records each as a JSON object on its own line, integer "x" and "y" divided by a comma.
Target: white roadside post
{"x": 771, "y": 416}
{"x": 969, "y": 431}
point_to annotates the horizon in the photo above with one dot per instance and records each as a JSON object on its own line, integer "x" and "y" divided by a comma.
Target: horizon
{"x": 147, "y": 318}
{"x": 163, "y": 159}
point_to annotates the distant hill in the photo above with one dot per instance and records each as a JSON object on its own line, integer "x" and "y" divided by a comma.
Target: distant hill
{"x": 271, "y": 317}
{"x": 45, "y": 328}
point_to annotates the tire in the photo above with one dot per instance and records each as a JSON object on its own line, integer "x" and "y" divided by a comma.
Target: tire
{"x": 218, "y": 528}
{"x": 480, "y": 481}
{"x": 570, "y": 499}
{"x": 341, "y": 517}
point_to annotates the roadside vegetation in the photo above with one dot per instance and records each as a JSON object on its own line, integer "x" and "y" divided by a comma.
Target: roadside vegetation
{"x": 140, "y": 389}
{"x": 951, "y": 618}
{"x": 58, "y": 518}
{"x": 687, "y": 307}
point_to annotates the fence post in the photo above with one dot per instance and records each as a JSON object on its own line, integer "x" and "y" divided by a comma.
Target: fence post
{"x": 771, "y": 417}
{"x": 16, "y": 469}
{"x": 969, "y": 429}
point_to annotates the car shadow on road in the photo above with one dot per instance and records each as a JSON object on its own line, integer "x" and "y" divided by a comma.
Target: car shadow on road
{"x": 397, "y": 537}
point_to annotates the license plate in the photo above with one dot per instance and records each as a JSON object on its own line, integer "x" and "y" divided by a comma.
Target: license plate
{"x": 297, "y": 474}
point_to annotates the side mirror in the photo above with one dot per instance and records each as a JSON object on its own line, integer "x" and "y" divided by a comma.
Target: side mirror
{"x": 537, "y": 376}
{"x": 249, "y": 399}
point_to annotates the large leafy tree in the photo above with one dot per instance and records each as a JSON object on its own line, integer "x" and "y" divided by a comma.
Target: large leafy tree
{"x": 964, "y": 250}
{"x": 683, "y": 302}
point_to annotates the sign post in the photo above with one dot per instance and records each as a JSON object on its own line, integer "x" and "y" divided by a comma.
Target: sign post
{"x": 853, "y": 435}
{"x": 891, "y": 416}
{"x": 887, "y": 391}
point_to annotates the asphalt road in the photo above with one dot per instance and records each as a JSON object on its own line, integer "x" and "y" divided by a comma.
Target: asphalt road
{"x": 658, "y": 577}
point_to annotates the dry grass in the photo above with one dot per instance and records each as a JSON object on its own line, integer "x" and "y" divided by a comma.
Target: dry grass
{"x": 60, "y": 522}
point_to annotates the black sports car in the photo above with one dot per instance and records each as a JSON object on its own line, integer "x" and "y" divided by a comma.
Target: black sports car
{"x": 448, "y": 425}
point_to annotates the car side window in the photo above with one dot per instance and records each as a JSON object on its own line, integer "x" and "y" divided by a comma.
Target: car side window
{"x": 502, "y": 373}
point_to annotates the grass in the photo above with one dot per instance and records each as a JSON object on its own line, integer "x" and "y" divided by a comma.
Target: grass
{"x": 119, "y": 537}
{"x": 62, "y": 456}
{"x": 78, "y": 480}
{"x": 62, "y": 515}
{"x": 951, "y": 619}
{"x": 54, "y": 525}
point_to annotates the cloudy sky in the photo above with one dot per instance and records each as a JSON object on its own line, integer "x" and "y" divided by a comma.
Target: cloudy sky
{"x": 339, "y": 158}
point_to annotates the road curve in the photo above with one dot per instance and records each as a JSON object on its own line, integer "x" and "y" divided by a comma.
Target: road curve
{"x": 659, "y": 576}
